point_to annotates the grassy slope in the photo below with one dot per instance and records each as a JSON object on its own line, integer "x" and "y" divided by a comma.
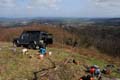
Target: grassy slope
{"x": 15, "y": 66}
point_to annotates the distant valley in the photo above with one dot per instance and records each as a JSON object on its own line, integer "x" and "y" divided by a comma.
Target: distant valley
{"x": 74, "y": 22}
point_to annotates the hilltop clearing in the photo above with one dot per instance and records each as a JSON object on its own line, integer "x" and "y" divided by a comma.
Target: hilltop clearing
{"x": 59, "y": 66}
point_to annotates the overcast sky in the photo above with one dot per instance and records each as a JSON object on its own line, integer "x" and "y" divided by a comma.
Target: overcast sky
{"x": 59, "y": 8}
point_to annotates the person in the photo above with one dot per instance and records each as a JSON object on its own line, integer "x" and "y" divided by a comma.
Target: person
{"x": 92, "y": 70}
{"x": 95, "y": 71}
{"x": 98, "y": 73}
{"x": 42, "y": 52}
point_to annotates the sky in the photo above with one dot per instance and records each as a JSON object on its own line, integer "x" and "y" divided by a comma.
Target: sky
{"x": 59, "y": 8}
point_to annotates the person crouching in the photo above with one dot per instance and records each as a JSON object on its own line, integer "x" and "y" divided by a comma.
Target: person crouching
{"x": 42, "y": 52}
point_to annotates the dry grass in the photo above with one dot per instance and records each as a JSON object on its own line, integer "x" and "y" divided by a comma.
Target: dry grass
{"x": 7, "y": 34}
{"x": 15, "y": 66}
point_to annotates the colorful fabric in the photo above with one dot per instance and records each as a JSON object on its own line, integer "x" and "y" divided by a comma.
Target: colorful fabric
{"x": 92, "y": 70}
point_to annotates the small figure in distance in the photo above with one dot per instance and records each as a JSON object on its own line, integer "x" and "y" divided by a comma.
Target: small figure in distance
{"x": 42, "y": 52}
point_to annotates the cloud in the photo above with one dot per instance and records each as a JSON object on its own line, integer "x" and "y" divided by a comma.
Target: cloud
{"x": 43, "y": 3}
{"x": 29, "y": 3}
{"x": 110, "y": 3}
{"x": 7, "y": 3}
{"x": 107, "y": 0}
